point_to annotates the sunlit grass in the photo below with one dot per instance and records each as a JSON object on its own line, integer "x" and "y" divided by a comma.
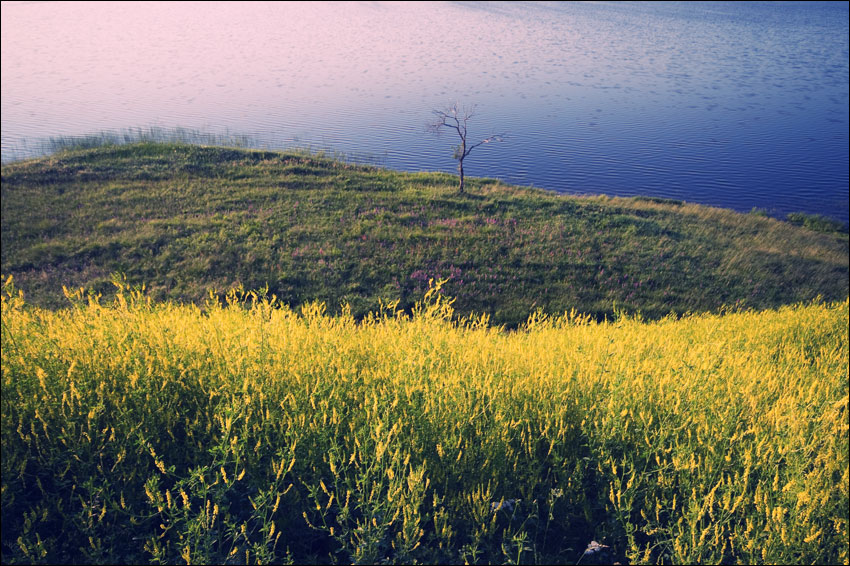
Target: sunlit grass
{"x": 249, "y": 432}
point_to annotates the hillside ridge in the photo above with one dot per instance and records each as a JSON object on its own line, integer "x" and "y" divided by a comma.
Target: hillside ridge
{"x": 183, "y": 219}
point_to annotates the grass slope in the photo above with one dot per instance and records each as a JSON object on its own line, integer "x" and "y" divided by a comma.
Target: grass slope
{"x": 183, "y": 219}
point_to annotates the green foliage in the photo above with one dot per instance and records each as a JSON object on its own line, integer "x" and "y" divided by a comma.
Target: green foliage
{"x": 246, "y": 432}
{"x": 816, "y": 222}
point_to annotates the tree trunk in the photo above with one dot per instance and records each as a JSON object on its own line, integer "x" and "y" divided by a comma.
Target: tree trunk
{"x": 460, "y": 169}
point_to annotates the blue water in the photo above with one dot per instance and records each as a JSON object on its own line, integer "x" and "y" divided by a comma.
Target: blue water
{"x": 739, "y": 105}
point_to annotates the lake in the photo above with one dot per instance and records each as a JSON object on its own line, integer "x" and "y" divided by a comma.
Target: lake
{"x": 739, "y": 105}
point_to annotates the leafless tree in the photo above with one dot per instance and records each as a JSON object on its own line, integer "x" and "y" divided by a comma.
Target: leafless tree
{"x": 456, "y": 118}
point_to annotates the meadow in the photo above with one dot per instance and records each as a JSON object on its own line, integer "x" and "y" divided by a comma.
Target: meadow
{"x": 336, "y": 363}
{"x": 185, "y": 218}
{"x": 244, "y": 431}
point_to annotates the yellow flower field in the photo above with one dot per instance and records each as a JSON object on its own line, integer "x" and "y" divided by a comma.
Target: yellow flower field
{"x": 245, "y": 432}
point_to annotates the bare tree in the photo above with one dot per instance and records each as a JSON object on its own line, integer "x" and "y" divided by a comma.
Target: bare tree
{"x": 456, "y": 118}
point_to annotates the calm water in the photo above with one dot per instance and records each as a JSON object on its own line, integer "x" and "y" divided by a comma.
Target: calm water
{"x": 739, "y": 105}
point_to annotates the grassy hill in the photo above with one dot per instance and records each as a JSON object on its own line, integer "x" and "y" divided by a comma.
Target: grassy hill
{"x": 183, "y": 219}
{"x": 141, "y": 430}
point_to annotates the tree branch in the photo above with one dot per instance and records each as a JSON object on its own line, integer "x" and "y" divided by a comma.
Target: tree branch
{"x": 498, "y": 137}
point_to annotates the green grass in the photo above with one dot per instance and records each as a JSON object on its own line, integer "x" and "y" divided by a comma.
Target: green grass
{"x": 183, "y": 219}
{"x": 816, "y": 222}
